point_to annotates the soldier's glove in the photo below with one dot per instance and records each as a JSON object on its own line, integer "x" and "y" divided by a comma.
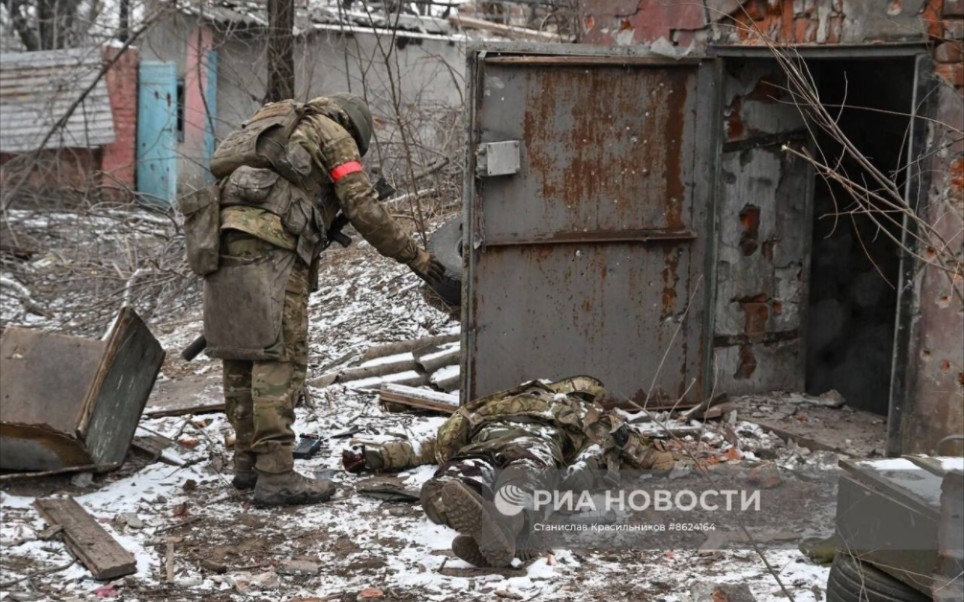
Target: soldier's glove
{"x": 427, "y": 267}
{"x": 354, "y": 459}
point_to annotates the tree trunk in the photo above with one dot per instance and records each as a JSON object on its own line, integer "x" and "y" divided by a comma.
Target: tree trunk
{"x": 281, "y": 68}
{"x": 22, "y": 25}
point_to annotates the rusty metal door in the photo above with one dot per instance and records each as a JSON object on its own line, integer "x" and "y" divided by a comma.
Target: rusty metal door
{"x": 585, "y": 221}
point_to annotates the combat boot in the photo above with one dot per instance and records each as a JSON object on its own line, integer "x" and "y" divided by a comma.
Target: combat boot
{"x": 245, "y": 476}
{"x": 290, "y": 489}
{"x": 431, "y": 498}
{"x": 470, "y": 514}
{"x": 466, "y": 549}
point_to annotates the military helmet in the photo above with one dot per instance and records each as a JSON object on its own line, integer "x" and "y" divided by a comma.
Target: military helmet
{"x": 360, "y": 117}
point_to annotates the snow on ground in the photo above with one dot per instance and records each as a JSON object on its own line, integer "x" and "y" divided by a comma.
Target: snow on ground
{"x": 360, "y": 544}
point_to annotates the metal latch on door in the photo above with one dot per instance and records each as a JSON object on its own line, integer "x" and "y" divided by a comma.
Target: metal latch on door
{"x": 497, "y": 159}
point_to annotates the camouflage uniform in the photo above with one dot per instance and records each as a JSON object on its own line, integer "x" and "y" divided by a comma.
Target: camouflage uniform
{"x": 260, "y": 395}
{"x": 524, "y": 436}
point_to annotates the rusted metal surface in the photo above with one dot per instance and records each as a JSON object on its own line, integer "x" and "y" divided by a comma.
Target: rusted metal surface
{"x": 69, "y": 401}
{"x": 764, "y": 221}
{"x": 587, "y": 260}
{"x": 560, "y": 238}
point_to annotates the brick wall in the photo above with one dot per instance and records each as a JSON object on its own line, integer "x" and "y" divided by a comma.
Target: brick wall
{"x": 936, "y": 386}
{"x": 119, "y": 160}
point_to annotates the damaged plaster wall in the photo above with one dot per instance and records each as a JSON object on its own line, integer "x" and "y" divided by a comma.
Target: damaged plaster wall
{"x": 764, "y": 235}
{"x": 427, "y": 72}
{"x": 688, "y": 24}
{"x": 929, "y": 389}
{"x": 935, "y": 385}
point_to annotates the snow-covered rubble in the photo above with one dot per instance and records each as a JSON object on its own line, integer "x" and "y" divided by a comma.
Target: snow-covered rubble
{"x": 364, "y": 548}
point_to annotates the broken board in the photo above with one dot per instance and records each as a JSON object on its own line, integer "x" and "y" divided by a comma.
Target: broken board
{"x": 86, "y": 539}
{"x": 419, "y": 399}
{"x": 69, "y": 401}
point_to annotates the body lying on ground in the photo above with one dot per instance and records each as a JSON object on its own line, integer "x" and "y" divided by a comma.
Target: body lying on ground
{"x": 537, "y": 436}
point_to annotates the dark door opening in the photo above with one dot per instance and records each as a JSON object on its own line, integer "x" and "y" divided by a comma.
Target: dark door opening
{"x": 855, "y": 260}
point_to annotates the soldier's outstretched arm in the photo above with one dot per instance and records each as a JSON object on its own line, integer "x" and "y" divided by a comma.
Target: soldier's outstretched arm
{"x": 334, "y": 151}
{"x": 389, "y": 456}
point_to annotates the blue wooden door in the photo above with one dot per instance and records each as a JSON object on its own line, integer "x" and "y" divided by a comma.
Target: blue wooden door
{"x": 157, "y": 132}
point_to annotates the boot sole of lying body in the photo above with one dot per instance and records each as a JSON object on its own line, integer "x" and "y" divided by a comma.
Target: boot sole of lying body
{"x": 465, "y": 548}
{"x": 469, "y": 514}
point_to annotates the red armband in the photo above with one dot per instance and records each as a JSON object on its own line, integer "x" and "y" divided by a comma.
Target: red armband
{"x": 344, "y": 169}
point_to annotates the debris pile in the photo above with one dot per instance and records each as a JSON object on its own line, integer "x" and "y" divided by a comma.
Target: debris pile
{"x": 425, "y": 361}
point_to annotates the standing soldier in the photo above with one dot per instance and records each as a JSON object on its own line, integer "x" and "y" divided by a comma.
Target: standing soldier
{"x": 282, "y": 178}
{"x": 536, "y": 436}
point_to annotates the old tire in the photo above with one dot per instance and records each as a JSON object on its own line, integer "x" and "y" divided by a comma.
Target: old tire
{"x": 446, "y": 244}
{"x": 854, "y": 581}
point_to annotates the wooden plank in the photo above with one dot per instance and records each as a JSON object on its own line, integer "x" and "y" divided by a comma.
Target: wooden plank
{"x": 424, "y": 394}
{"x": 388, "y": 395}
{"x": 119, "y": 392}
{"x": 404, "y": 364}
{"x": 86, "y": 539}
{"x": 210, "y": 408}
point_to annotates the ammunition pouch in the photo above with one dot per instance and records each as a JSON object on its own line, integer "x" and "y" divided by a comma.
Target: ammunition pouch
{"x": 244, "y": 306}
{"x": 262, "y": 169}
{"x": 249, "y": 185}
{"x": 202, "y": 219}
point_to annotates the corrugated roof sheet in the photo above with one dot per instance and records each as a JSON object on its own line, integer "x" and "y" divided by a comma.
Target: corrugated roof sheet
{"x": 37, "y": 88}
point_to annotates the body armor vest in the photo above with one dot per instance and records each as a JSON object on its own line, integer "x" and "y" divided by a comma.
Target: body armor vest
{"x": 260, "y": 168}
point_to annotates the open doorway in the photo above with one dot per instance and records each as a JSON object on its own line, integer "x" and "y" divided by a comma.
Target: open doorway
{"x": 855, "y": 260}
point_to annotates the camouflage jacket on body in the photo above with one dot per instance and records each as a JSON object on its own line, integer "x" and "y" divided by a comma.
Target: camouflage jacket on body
{"x": 583, "y": 430}
{"x": 322, "y": 133}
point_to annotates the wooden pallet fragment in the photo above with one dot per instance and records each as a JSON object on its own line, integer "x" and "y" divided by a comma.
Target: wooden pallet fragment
{"x": 418, "y": 398}
{"x": 86, "y": 539}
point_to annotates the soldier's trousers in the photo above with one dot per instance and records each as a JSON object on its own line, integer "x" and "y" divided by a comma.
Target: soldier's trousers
{"x": 260, "y": 396}
{"x": 526, "y": 460}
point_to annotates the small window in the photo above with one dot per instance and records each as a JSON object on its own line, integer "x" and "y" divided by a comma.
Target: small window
{"x": 180, "y": 109}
